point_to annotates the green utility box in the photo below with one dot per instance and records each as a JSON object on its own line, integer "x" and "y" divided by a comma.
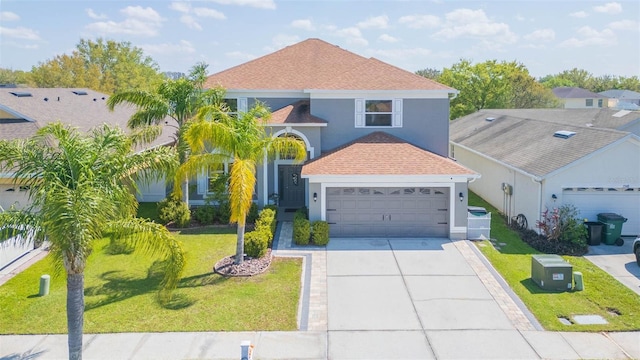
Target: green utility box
{"x": 612, "y": 229}
{"x": 551, "y": 272}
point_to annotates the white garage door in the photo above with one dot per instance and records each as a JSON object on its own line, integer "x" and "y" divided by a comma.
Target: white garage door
{"x": 622, "y": 201}
{"x": 395, "y": 212}
{"x": 13, "y": 195}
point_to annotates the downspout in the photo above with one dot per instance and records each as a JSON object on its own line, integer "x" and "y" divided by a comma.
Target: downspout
{"x": 539, "y": 182}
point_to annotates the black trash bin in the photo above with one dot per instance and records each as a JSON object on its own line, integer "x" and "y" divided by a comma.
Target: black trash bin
{"x": 594, "y": 232}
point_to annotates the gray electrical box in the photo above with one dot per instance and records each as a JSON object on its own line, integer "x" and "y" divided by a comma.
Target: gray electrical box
{"x": 551, "y": 272}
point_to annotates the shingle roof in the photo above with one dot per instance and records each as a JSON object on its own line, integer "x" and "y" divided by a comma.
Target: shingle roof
{"x": 382, "y": 154}
{"x": 82, "y": 111}
{"x": 621, "y": 94}
{"x": 527, "y": 143}
{"x": 316, "y": 64}
{"x": 575, "y": 93}
{"x": 296, "y": 113}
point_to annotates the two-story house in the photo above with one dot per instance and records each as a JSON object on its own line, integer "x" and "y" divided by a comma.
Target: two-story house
{"x": 376, "y": 137}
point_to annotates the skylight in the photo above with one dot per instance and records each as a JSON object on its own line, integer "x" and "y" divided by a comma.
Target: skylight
{"x": 564, "y": 134}
{"x": 80, "y": 92}
{"x": 20, "y": 94}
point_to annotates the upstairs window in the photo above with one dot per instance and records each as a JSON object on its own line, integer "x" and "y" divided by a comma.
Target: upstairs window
{"x": 378, "y": 113}
{"x": 236, "y": 105}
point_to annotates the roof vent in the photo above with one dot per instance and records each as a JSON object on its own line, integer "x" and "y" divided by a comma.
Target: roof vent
{"x": 20, "y": 94}
{"x": 79, "y": 92}
{"x": 563, "y": 134}
{"x": 490, "y": 119}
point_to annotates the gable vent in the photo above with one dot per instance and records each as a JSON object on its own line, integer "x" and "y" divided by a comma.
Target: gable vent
{"x": 20, "y": 94}
{"x": 80, "y": 92}
{"x": 563, "y": 134}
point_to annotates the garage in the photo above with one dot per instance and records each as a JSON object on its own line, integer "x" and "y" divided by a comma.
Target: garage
{"x": 595, "y": 200}
{"x": 388, "y": 211}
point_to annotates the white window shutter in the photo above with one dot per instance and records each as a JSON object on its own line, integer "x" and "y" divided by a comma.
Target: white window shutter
{"x": 242, "y": 105}
{"x": 202, "y": 183}
{"x": 359, "y": 115}
{"x": 397, "y": 112}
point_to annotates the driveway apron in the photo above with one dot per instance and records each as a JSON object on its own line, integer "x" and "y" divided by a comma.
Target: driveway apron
{"x": 413, "y": 299}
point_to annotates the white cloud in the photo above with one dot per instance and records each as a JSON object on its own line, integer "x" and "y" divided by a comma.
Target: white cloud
{"x": 625, "y": 25}
{"x": 587, "y": 36}
{"x": 579, "y": 14}
{"x": 139, "y": 21}
{"x": 9, "y": 16}
{"x": 180, "y": 6}
{"x": 304, "y": 24}
{"x": 609, "y": 8}
{"x": 352, "y": 35}
{"x": 92, "y": 14}
{"x": 541, "y": 35}
{"x": 420, "y": 21}
{"x": 209, "y": 13}
{"x": 400, "y": 54}
{"x": 182, "y": 47}
{"x": 261, "y": 4}
{"x": 376, "y": 22}
{"x": 475, "y": 24}
{"x": 238, "y": 55}
{"x": 387, "y": 38}
{"x": 19, "y": 33}
{"x": 190, "y": 22}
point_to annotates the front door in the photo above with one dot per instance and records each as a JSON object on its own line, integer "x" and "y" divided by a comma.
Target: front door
{"x": 290, "y": 186}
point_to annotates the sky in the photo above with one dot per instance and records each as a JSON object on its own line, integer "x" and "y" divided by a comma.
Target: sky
{"x": 548, "y": 37}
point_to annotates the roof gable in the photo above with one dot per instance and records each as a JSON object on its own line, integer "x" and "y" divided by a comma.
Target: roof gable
{"x": 316, "y": 64}
{"x": 575, "y": 93}
{"x": 382, "y": 154}
{"x": 296, "y": 113}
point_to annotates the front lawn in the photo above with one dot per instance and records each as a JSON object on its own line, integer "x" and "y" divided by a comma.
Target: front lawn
{"x": 603, "y": 295}
{"x": 121, "y": 293}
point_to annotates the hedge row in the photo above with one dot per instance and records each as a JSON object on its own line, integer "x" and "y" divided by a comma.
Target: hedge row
{"x": 257, "y": 241}
{"x": 305, "y": 232}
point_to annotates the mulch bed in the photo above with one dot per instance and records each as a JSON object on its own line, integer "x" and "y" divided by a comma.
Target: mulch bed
{"x": 249, "y": 267}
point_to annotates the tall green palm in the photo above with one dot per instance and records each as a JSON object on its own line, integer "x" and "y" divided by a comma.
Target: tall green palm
{"x": 80, "y": 187}
{"x": 178, "y": 99}
{"x": 216, "y": 136}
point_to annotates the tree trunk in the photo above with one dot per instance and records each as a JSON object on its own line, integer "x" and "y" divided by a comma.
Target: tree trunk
{"x": 240, "y": 245}
{"x": 185, "y": 191}
{"x": 75, "y": 314}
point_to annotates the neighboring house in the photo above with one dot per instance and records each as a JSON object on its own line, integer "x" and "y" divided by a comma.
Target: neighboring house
{"x": 24, "y": 110}
{"x": 577, "y": 98}
{"x": 622, "y": 99}
{"x": 533, "y": 159}
{"x": 376, "y": 138}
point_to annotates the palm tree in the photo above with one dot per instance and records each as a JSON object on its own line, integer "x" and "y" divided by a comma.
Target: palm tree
{"x": 243, "y": 141}
{"x": 80, "y": 191}
{"x": 177, "y": 99}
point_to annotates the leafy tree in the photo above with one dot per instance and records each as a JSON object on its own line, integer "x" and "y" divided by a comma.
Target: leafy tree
{"x": 101, "y": 65}
{"x": 17, "y": 77}
{"x": 242, "y": 140}
{"x": 80, "y": 187}
{"x": 430, "y": 73}
{"x": 493, "y": 85}
{"x": 178, "y": 99}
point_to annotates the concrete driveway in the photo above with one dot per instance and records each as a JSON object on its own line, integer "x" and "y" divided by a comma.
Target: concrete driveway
{"x": 618, "y": 261}
{"x": 413, "y": 299}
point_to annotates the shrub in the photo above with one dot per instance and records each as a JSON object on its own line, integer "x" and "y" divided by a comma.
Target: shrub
{"x": 272, "y": 207}
{"x": 205, "y": 214}
{"x": 320, "y": 232}
{"x": 562, "y": 224}
{"x": 267, "y": 219}
{"x": 301, "y": 230}
{"x": 223, "y": 212}
{"x": 255, "y": 243}
{"x": 172, "y": 209}
{"x": 303, "y": 211}
{"x": 252, "y": 216}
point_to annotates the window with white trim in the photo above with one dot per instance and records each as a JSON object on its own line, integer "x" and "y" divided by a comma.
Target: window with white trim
{"x": 236, "y": 105}
{"x": 378, "y": 112}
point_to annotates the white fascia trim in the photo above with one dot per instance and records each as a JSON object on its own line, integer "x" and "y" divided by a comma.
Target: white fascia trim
{"x": 18, "y": 115}
{"x": 298, "y": 125}
{"x": 380, "y": 94}
{"x": 387, "y": 180}
{"x": 534, "y": 177}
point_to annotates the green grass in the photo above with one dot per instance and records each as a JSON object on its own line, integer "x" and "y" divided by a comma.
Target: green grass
{"x": 121, "y": 293}
{"x": 603, "y": 295}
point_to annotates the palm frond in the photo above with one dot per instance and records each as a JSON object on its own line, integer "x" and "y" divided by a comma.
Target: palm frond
{"x": 241, "y": 185}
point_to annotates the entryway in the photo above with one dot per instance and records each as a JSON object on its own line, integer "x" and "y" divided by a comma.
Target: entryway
{"x": 291, "y": 186}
